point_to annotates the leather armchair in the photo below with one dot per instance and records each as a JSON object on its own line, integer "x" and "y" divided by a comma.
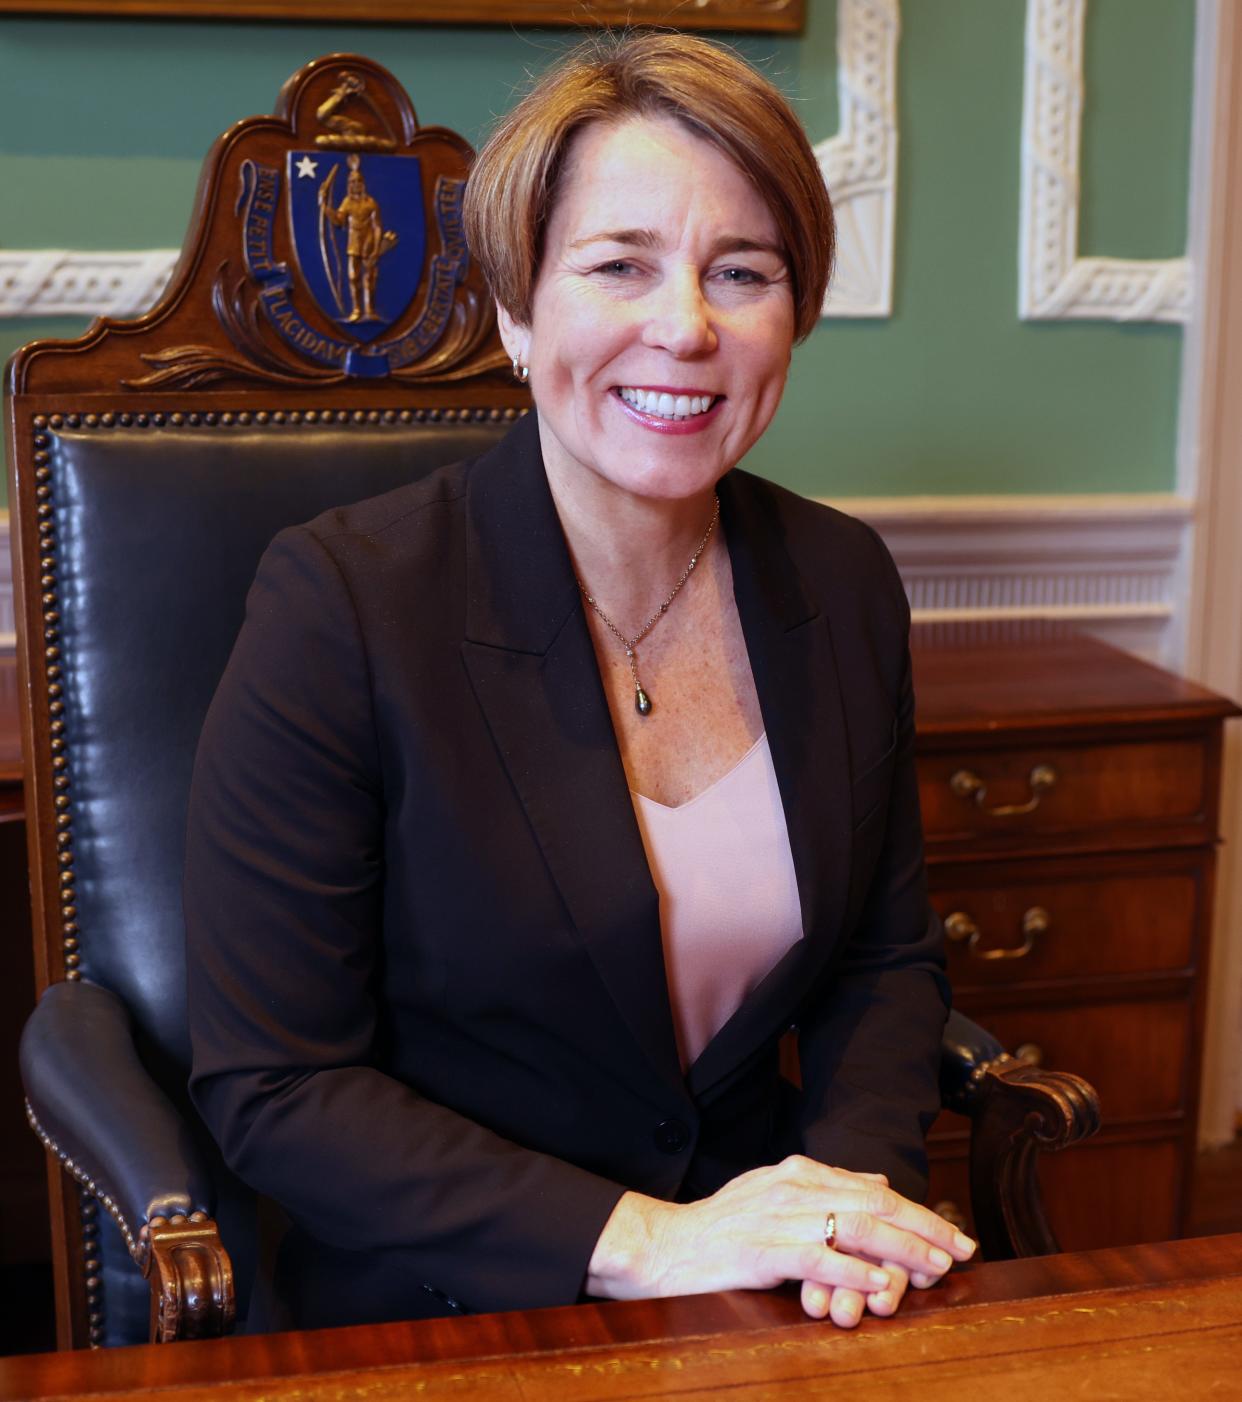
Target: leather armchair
{"x": 151, "y": 463}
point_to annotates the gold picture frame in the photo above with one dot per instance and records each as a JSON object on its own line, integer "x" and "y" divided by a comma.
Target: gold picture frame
{"x": 771, "y": 16}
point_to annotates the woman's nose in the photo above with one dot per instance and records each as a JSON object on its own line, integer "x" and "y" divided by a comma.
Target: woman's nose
{"x": 680, "y": 318}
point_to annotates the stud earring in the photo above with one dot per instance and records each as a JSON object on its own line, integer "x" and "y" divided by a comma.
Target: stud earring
{"x": 521, "y": 373}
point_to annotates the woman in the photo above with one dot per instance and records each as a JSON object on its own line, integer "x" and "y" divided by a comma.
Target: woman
{"x": 542, "y": 796}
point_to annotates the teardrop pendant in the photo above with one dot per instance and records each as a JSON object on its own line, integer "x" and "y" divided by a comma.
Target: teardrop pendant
{"x": 642, "y": 702}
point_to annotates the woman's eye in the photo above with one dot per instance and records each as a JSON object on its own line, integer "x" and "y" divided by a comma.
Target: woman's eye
{"x": 742, "y": 277}
{"x": 615, "y": 267}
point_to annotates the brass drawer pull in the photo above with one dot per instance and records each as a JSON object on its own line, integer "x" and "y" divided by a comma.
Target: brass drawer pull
{"x": 966, "y": 784}
{"x": 959, "y": 926}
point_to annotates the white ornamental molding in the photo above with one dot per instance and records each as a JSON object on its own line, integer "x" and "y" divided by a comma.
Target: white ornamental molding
{"x": 1111, "y": 564}
{"x": 50, "y": 282}
{"x": 860, "y": 162}
{"x": 1054, "y": 283}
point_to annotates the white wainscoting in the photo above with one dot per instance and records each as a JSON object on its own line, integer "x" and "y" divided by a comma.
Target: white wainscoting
{"x": 1112, "y": 564}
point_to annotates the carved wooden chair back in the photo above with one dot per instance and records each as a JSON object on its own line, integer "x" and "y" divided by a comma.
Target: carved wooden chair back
{"x": 325, "y": 336}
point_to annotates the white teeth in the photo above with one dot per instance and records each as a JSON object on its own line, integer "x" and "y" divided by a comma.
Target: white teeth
{"x": 665, "y": 405}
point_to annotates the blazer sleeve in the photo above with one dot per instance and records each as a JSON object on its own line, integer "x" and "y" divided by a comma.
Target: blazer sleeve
{"x": 284, "y": 891}
{"x": 869, "y": 1036}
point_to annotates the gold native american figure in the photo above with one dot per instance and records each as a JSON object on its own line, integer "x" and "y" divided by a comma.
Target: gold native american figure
{"x": 365, "y": 243}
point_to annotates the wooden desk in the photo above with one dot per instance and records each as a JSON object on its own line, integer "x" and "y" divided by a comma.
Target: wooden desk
{"x": 1162, "y": 1321}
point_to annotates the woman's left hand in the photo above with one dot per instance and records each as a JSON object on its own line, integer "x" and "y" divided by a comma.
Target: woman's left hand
{"x": 760, "y": 1229}
{"x": 845, "y": 1307}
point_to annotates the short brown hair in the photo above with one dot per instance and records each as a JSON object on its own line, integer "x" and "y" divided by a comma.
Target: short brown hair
{"x": 707, "y": 88}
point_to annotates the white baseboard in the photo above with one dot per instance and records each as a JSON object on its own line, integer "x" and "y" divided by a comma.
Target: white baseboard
{"x": 1111, "y": 564}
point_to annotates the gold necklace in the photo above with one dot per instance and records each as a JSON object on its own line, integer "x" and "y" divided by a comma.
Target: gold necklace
{"x": 642, "y": 700}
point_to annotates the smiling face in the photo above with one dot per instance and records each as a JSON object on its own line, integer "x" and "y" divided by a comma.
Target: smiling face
{"x": 662, "y": 318}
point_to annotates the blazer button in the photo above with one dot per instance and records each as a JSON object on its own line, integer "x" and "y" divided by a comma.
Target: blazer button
{"x": 671, "y": 1136}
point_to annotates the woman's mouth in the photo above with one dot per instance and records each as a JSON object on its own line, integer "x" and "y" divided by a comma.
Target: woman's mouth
{"x": 660, "y": 407}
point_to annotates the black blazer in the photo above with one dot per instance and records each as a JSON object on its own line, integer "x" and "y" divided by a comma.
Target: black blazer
{"x": 427, "y": 995}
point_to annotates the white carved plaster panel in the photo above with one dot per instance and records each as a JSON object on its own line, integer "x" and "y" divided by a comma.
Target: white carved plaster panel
{"x": 860, "y": 162}
{"x": 48, "y": 282}
{"x": 1053, "y": 281}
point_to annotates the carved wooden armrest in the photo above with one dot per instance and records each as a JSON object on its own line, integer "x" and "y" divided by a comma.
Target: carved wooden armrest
{"x": 97, "y": 1110}
{"x": 1017, "y": 1111}
{"x": 190, "y": 1275}
{"x": 1020, "y": 1112}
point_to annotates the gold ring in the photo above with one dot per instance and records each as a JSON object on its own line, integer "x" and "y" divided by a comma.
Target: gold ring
{"x": 830, "y": 1231}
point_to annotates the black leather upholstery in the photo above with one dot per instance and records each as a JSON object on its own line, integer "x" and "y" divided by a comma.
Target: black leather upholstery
{"x": 159, "y": 533}
{"x": 136, "y": 1141}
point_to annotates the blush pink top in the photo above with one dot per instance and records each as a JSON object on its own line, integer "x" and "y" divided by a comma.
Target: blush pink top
{"x": 728, "y": 895}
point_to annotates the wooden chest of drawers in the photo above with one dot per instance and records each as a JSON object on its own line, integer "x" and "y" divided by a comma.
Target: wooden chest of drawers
{"x": 1069, "y": 798}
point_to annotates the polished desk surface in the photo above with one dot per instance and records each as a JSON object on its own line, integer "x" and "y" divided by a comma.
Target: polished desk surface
{"x": 1130, "y": 1322}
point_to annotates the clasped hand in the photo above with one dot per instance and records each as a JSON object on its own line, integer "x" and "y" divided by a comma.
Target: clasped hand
{"x": 768, "y": 1226}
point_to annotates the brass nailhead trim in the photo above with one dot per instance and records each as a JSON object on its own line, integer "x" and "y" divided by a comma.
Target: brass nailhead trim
{"x": 90, "y": 1193}
{"x": 996, "y": 1063}
{"x": 43, "y": 443}
{"x": 54, "y": 690}
{"x": 231, "y": 418}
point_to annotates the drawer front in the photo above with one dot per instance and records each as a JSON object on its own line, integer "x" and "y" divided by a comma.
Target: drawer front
{"x": 1135, "y": 1054}
{"x": 1062, "y": 789}
{"x": 1096, "y": 1194}
{"x": 1068, "y": 921}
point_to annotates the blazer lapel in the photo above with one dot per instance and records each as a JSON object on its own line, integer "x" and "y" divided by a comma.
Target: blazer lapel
{"x": 530, "y": 659}
{"x": 789, "y": 643}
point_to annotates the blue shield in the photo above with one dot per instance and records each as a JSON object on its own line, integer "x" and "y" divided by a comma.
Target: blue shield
{"x": 359, "y": 235}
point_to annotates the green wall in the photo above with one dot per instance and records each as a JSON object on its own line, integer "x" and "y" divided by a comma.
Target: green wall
{"x": 103, "y": 124}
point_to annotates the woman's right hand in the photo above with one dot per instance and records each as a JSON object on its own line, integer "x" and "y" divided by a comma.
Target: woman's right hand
{"x": 767, "y": 1226}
